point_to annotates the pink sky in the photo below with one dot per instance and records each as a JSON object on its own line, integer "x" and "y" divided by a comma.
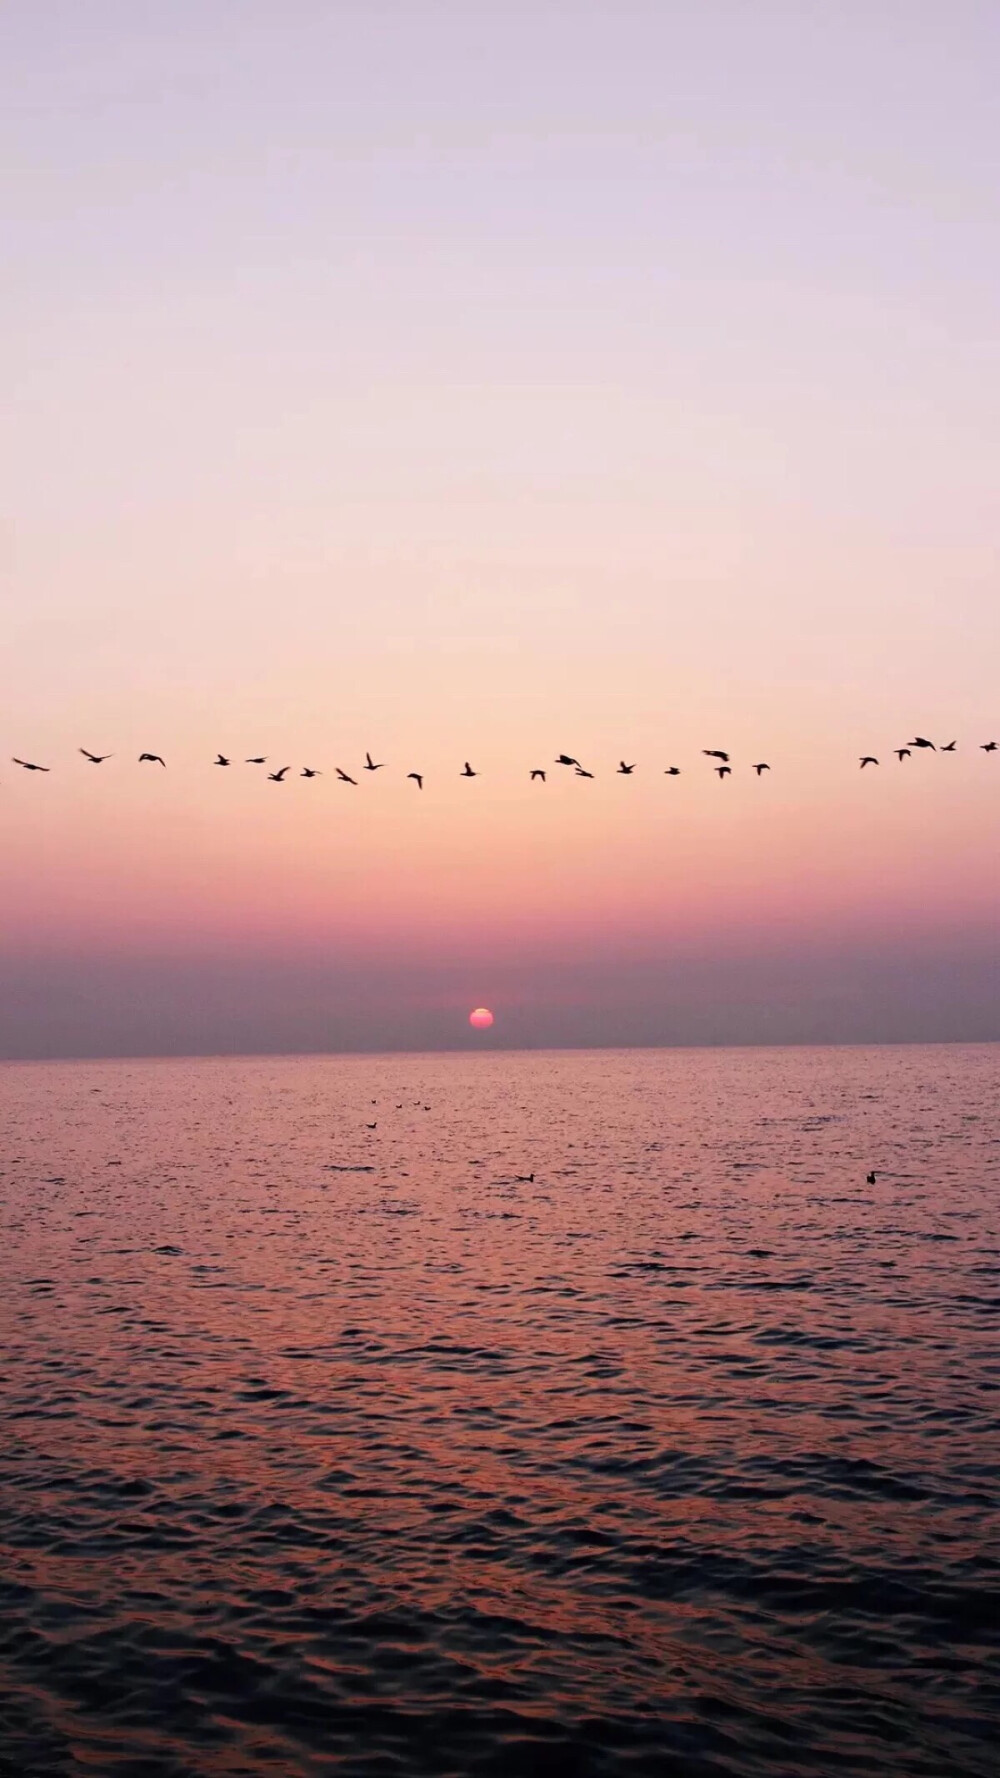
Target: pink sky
{"x": 464, "y": 384}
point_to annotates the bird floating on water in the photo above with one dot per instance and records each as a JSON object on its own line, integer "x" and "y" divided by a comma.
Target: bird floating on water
{"x": 870, "y": 1179}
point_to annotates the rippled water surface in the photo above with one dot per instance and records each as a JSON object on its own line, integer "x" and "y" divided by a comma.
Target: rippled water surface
{"x": 329, "y": 1449}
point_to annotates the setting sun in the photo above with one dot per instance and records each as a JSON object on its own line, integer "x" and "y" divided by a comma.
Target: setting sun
{"x": 481, "y": 1018}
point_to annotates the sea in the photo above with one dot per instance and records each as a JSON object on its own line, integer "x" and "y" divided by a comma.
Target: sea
{"x": 530, "y": 1414}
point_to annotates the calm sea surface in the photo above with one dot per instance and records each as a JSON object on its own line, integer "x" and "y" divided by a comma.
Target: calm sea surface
{"x": 328, "y": 1449}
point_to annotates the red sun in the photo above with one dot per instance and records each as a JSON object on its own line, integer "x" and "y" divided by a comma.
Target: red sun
{"x": 481, "y": 1018}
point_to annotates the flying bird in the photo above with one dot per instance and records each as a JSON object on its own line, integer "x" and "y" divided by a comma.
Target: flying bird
{"x": 988, "y": 747}
{"x": 566, "y": 759}
{"x": 949, "y": 747}
{"x": 467, "y": 771}
{"x": 96, "y": 759}
{"x": 371, "y": 765}
{"x": 762, "y": 766}
{"x": 580, "y": 773}
{"x": 418, "y": 779}
{"x": 345, "y": 777}
{"x": 154, "y": 759}
{"x": 624, "y": 770}
{"x": 259, "y": 759}
{"x": 919, "y": 741}
{"x": 672, "y": 772}
{"x": 311, "y": 772}
{"x": 723, "y": 771}
{"x": 222, "y": 760}
{"x": 716, "y": 753}
{"x": 538, "y": 773}
{"x": 869, "y": 760}
{"x": 278, "y": 777}
{"x": 28, "y": 766}
{"x": 901, "y": 753}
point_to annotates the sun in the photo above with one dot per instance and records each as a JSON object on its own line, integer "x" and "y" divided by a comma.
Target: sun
{"x": 480, "y": 1018}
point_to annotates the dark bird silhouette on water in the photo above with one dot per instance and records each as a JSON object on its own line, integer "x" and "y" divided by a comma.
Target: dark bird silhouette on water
{"x": 716, "y": 753}
{"x": 672, "y": 772}
{"x": 869, "y": 1179}
{"x": 153, "y": 758}
{"x": 372, "y": 765}
{"x": 96, "y": 759}
{"x": 624, "y": 770}
{"x": 902, "y": 753}
{"x": 418, "y": 779}
{"x": 29, "y": 766}
{"x": 222, "y": 760}
{"x": 345, "y": 777}
{"x": 580, "y": 773}
{"x": 566, "y": 759}
{"x": 524, "y": 1179}
{"x": 310, "y": 772}
{"x": 467, "y": 771}
{"x": 949, "y": 747}
{"x": 762, "y": 766}
{"x": 723, "y": 771}
{"x": 869, "y": 760}
{"x": 921, "y": 741}
{"x": 259, "y": 759}
{"x": 538, "y": 773}
{"x": 988, "y": 747}
{"x": 278, "y": 777}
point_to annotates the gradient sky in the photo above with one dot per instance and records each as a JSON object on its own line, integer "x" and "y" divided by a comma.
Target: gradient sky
{"x": 470, "y": 381}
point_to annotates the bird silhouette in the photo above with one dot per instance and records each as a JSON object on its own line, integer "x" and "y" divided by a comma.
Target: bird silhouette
{"x": 902, "y": 753}
{"x": 278, "y": 777}
{"x": 949, "y": 747}
{"x": 919, "y": 741}
{"x": 467, "y": 771}
{"x": 311, "y": 772}
{"x": 28, "y": 766}
{"x": 259, "y": 759}
{"x": 566, "y": 759}
{"x": 988, "y": 747}
{"x": 373, "y": 1126}
{"x": 372, "y": 765}
{"x": 762, "y": 766}
{"x": 96, "y": 759}
{"x": 345, "y": 777}
{"x": 869, "y": 1179}
{"x": 153, "y": 758}
{"x": 672, "y": 772}
{"x": 723, "y": 771}
{"x": 716, "y": 753}
{"x": 869, "y": 760}
{"x": 538, "y": 773}
{"x": 580, "y": 773}
{"x": 624, "y": 770}
{"x": 222, "y": 760}
{"x": 418, "y": 779}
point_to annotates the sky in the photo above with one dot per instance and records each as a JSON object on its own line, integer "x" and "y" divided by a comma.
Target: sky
{"x": 474, "y": 382}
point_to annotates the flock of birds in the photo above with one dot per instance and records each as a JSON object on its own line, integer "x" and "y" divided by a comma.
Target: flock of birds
{"x": 537, "y": 774}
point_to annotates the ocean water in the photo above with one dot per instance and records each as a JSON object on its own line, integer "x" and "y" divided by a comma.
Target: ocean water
{"x": 329, "y": 1449}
